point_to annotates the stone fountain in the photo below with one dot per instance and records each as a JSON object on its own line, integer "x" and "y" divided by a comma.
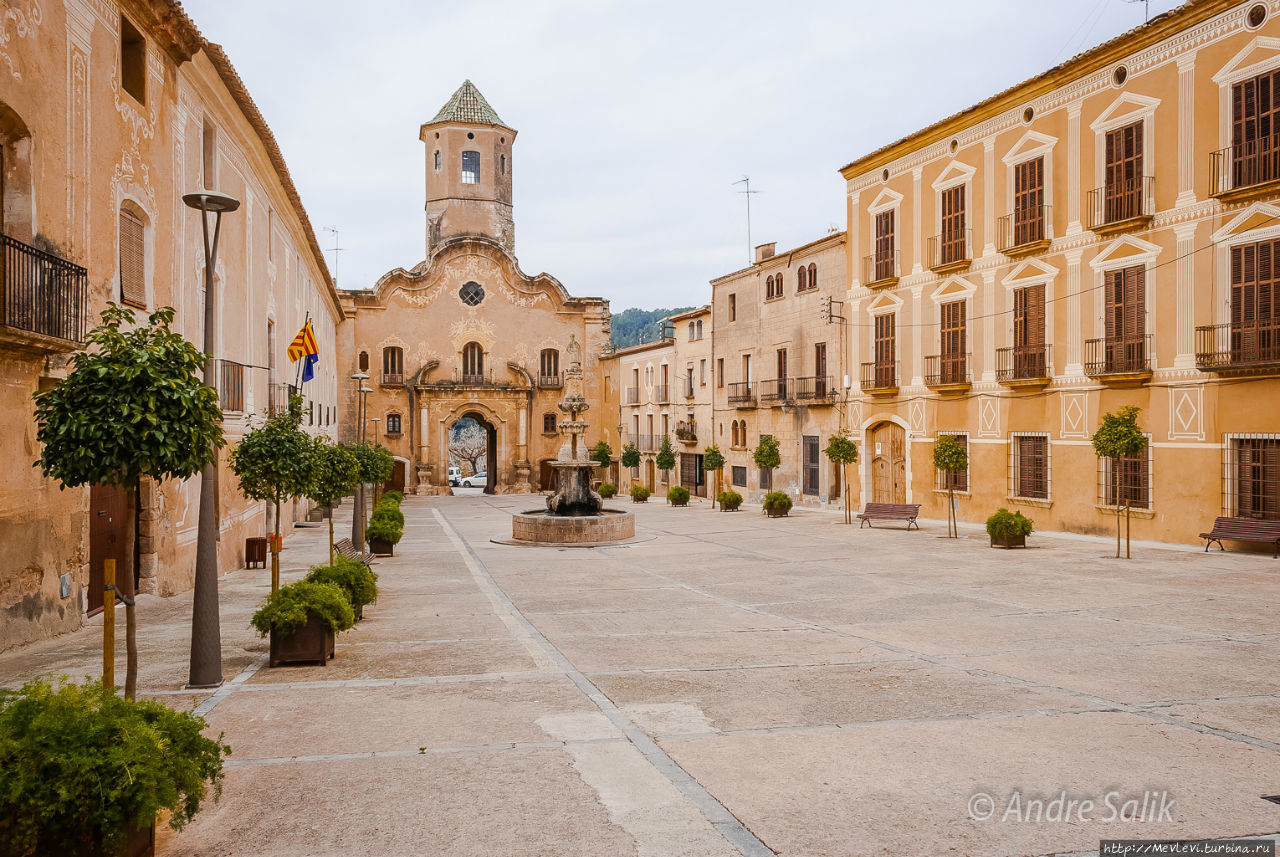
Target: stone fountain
{"x": 575, "y": 513}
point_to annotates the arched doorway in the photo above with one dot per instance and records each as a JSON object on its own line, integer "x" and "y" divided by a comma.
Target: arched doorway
{"x": 397, "y": 480}
{"x": 887, "y": 443}
{"x": 473, "y": 448}
{"x": 649, "y": 481}
{"x": 546, "y": 475}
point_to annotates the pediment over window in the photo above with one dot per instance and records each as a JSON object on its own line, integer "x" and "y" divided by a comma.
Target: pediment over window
{"x": 884, "y": 200}
{"x": 884, "y": 302}
{"x": 1125, "y": 250}
{"x": 1030, "y": 272}
{"x": 1032, "y": 144}
{"x": 1259, "y": 55}
{"x": 1256, "y": 217}
{"x": 954, "y": 174}
{"x": 1129, "y": 107}
{"x": 953, "y": 288}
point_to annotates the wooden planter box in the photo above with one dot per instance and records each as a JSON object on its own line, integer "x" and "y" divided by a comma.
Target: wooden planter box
{"x": 312, "y": 643}
{"x": 777, "y": 513}
{"x": 378, "y": 547}
{"x": 137, "y": 843}
{"x": 674, "y": 503}
{"x": 730, "y": 509}
{"x": 1008, "y": 542}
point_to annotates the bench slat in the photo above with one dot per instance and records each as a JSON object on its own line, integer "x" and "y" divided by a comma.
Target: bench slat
{"x": 1243, "y": 530}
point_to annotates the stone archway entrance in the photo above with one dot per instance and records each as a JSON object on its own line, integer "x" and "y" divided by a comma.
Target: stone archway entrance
{"x": 473, "y": 444}
{"x": 887, "y": 443}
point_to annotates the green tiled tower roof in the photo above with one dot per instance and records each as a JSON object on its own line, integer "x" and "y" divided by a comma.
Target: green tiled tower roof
{"x": 468, "y": 105}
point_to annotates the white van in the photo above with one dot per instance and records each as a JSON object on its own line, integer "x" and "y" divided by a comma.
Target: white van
{"x": 455, "y": 476}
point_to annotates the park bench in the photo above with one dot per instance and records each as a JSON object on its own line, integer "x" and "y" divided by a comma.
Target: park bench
{"x": 1243, "y": 530}
{"x": 890, "y": 512}
{"x": 347, "y": 548}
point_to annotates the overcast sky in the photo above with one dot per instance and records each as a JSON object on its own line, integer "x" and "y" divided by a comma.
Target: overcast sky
{"x": 634, "y": 120}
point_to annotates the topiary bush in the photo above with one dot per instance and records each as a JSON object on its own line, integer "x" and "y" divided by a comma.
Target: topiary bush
{"x": 777, "y": 504}
{"x": 82, "y": 766}
{"x": 1005, "y": 524}
{"x": 390, "y": 510}
{"x": 729, "y": 500}
{"x": 384, "y": 528}
{"x": 289, "y": 607}
{"x": 395, "y": 496}
{"x": 356, "y": 580}
{"x": 639, "y": 493}
{"x": 678, "y": 496}
{"x": 607, "y": 490}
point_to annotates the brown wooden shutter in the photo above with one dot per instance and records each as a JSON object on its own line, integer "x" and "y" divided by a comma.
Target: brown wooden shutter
{"x": 1123, "y": 194}
{"x": 953, "y": 342}
{"x": 1033, "y": 467}
{"x": 1028, "y": 202}
{"x": 884, "y": 246}
{"x": 953, "y": 220}
{"x": 886, "y": 350}
{"x": 813, "y": 275}
{"x": 133, "y": 259}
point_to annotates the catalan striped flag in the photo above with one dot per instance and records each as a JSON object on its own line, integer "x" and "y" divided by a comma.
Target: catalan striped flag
{"x": 304, "y": 345}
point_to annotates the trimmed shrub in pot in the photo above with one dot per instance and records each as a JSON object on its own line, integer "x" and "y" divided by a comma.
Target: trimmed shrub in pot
{"x": 607, "y": 490}
{"x": 1009, "y": 529}
{"x": 729, "y": 501}
{"x": 777, "y": 504}
{"x": 678, "y": 496}
{"x": 86, "y": 772}
{"x": 384, "y": 531}
{"x": 302, "y": 619}
{"x": 356, "y": 580}
{"x": 639, "y": 493}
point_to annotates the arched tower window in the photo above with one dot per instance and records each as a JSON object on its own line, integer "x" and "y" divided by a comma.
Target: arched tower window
{"x": 472, "y": 363}
{"x": 471, "y": 168}
{"x": 802, "y": 279}
{"x": 364, "y": 362}
{"x": 393, "y": 365}
{"x": 437, "y": 159}
{"x": 813, "y": 275}
{"x": 549, "y": 365}
{"x": 502, "y": 164}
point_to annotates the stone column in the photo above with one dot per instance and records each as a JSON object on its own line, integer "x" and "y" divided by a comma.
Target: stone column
{"x": 1073, "y": 168}
{"x": 424, "y": 451}
{"x": 1075, "y": 302}
{"x": 1186, "y": 134}
{"x": 1186, "y": 354}
{"x": 917, "y": 238}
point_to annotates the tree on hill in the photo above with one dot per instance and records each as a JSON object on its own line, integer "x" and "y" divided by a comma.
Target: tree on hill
{"x": 636, "y": 326}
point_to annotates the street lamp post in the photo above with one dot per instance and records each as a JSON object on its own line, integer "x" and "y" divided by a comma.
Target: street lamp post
{"x": 357, "y": 513}
{"x": 206, "y": 634}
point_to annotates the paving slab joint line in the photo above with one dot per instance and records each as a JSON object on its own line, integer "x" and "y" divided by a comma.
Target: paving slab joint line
{"x": 230, "y": 687}
{"x": 716, "y": 813}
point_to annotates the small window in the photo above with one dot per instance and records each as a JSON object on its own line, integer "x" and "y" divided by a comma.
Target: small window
{"x": 393, "y": 424}
{"x": 549, "y": 423}
{"x": 1256, "y": 16}
{"x": 719, "y": 371}
{"x": 364, "y": 361}
{"x": 392, "y": 365}
{"x": 209, "y": 147}
{"x": 133, "y": 259}
{"x": 437, "y": 159}
{"x": 733, "y": 307}
{"x": 133, "y": 61}
{"x": 813, "y": 275}
{"x": 1126, "y": 480}
{"x": 739, "y": 476}
{"x": 471, "y": 168}
{"x": 802, "y": 279}
{"x": 502, "y": 164}
{"x": 471, "y": 294}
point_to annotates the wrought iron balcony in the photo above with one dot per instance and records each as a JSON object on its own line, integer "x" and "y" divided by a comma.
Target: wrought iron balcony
{"x": 1250, "y": 168}
{"x": 951, "y": 251}
{"x": 393, "y": 379}
{"x": 1128, "y": 204}
{"x": 1227, "y": 347}
{"x": 881, "y": 269}
{"x": 775, "y": 391}
{"x": 880, "y": 378}
{"x": 230, "y": 377}
{"x": 689, "y": 388}
{"x": 687, "y": 431}
{"x": 742, "y": 394}
{"x": 633, "y": 395}
{"x": 1024, "y": 231}
{"x": 813, "y": 389}
{"x": 554, "y": 381}
{"x": 42, "y": 293}
{"x": 278, "y": 396}
{"x": 661, "y": 394}
{"x": 1120, "y": 357}
{"x": 472, "y": 379}
{"x": 648, "y": 442}
{"x": 947, "y": 372}
{"x": 1023, "y": 365}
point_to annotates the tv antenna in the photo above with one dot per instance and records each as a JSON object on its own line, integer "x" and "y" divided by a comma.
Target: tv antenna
{"x": 746, "y": 180}
{"x": 1146, "y": 4}
{"x": 336, "y": 250}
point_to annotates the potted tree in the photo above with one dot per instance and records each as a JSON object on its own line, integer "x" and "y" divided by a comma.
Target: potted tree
{"x": 630, "y": 457}
{"x": 356, "y": 580}
{"x": 386, "y": 528}
{"x": 336, "y": 473}
{"x": 713, "y": 462}
{"x": 843, "y": 451}
{"x": 132, "y": 406}
{"x": 678, "y": 496}
{"x": 639, "y": 493}
{"x": 87, "y": 772}
{"x": 376, "y": 465}
{"x": 1008, "y": 529}
{"x": 602, "y": 454}
{"x": 729, "y": 501}
{"x": 302, "y": 619}
{"x": 777, "y": 504}
{"x": 950, "y": 457}
{"x": 1119, "y": 437}
{"x": 766, "y": 455}
{"x": 666, "y": 457}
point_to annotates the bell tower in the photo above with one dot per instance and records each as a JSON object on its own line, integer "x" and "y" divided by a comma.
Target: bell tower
{"x": 468, "y": 152}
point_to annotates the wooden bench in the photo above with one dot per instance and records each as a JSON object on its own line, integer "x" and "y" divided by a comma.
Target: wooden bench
{"x": 1243, "y": 530}
{"x": 890, "y": 512}
{"x": 347, "y": 548}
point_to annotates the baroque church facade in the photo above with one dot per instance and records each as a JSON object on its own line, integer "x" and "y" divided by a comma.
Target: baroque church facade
{"x": 465, "y": 332}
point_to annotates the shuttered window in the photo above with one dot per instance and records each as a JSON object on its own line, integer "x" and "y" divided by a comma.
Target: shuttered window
{"x": 960, "y": 480}
{"x": 953, "y": 226}
{"x": 1030, "y": 477}
{"x": 884, "y": 261}
{"x": 802, "y": 279}
{"x": 810, "y": 476}
{"x": 1128, "y": 480}
{"x": 1255, "y": 130}
{"x": 1028, "y": 202}
{"x": 133, "y": 259}
{"x": 886, "y": 350}
{"x": 1126, "y": 319}
{"x": 739, "y": 476}
{"x": 1028, "y": 332}
{"x": 953, "y": 342}
{"x": 1255, "y": 318}
{"x": 1258, "y": 478}
{"x": 1122, "y": 197}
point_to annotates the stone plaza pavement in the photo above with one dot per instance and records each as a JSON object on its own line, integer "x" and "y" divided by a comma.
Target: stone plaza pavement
{"x": 730, "y": 684}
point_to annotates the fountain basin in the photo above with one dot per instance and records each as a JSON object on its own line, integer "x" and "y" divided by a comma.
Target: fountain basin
{"x": 538, "y": 527}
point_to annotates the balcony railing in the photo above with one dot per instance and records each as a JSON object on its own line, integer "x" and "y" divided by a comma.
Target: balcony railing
{"x": 742, "y": 394}
{"x": 689, "y": 388}
{"x": 393, "y": 379}
{"x": 633, "y": 395}
{"x": 1122, "y": 204}
{"x": 881, "y": 269}
{"x": 1236, "y": 346}
{"x": 278, "y": 396}
{"x": 648, "y": 442}
{"x": 880, "y": 376}
{"x": 952, "y": 249}
{"x": 812, "y": 388}
{"x": 1024, "y": 229}
{"x": 1024, "y": 362}
{"x": 662, "y": 394}
{"x": 1252, "y": 164}
{"x": 42, "y": 293}
{"x": 1119, "y": 355}
{"x": 944, "y": 370}
{"x": 230, "y": 379}
{"x": 553, "y": 381}
{"x": 687, "y": 431}
{"x": 473, "y": 379}
{"x": 775, "y": 390}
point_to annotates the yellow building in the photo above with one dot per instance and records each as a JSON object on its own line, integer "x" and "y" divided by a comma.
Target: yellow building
{"x": 109, "y": 113}
{"x": 1100, "y": 235}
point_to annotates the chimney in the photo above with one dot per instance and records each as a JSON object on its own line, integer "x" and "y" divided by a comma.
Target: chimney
{"x": 765, "y": 251}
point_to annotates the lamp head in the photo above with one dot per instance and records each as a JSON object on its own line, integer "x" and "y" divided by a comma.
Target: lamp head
{"x": 211, "y": 200}
{"x": 360, "y": 376}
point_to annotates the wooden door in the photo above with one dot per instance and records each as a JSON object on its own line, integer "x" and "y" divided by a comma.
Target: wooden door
{"x": 820, "y": 370}
{"x": 1028, "y": 332}
{"x": 546, "y": 476}
{"x": 889, "y": 464}
{"x": 1255, "y": 123}
{"x": 1126, "y": 319}
{"x": 108, "y": 537}
{"x": 884, "y": 261}
{"x": 396, "y": 482}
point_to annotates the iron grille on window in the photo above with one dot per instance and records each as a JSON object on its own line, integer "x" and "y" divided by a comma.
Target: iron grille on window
{"x": 1251, "y": 476}
{"x": 959, "y": 480}
{"x": 740, "y": 476}
{"x": 1029, "y": 466}
{"x": 1126, "y": 480}
{"x": 471, "y": 294}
